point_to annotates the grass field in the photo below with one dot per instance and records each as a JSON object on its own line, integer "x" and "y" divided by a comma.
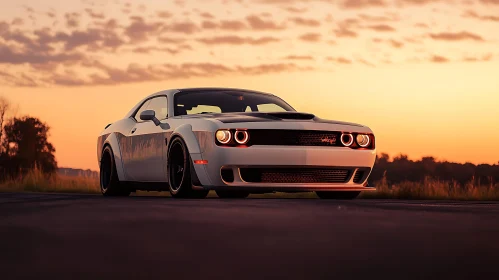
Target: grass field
{"x": 35, "y": 181}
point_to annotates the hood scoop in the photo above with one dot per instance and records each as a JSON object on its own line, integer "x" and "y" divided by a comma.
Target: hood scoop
{"x": 292, "y": 116}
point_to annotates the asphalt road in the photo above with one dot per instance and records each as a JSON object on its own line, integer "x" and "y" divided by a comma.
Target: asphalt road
{"x": 58, "y": 236}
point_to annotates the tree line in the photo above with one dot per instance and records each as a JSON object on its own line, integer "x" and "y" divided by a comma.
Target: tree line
{"x": 401, "y": 168}
{"x": 24, "y": 144}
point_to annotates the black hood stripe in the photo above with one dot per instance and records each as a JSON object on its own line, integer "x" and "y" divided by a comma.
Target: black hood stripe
{"x": 267, "y": 117}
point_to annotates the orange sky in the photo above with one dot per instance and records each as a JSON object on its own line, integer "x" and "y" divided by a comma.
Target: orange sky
{"x": 423, "y": 74}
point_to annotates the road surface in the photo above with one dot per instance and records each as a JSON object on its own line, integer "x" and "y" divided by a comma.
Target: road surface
{"x": 64, "y": 236}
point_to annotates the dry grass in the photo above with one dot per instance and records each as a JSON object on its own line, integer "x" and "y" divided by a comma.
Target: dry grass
{"x": 434, "y": 189}
{"x": 35, "y": 181}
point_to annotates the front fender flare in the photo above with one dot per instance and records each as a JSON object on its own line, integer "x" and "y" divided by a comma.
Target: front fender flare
{"x": 114, "y": 141}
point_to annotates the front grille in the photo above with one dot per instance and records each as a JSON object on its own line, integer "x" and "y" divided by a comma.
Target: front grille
{"x": 295, "y": 175}
{"x": 359, "y": 175}
{"x": 294, "y": 137}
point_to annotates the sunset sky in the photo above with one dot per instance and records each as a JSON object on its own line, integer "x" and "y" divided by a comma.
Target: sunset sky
{"x": 423, "y": 74}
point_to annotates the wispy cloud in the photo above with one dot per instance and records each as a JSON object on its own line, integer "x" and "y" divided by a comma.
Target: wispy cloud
{"x": 458, "y": 36}
{"x": 237, "y": 40}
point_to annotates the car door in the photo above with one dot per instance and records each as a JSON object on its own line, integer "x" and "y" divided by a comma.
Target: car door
{"x": 148, "y": 144}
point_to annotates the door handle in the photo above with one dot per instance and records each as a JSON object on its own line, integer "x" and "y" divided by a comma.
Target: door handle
{"x": 133, "y": 130}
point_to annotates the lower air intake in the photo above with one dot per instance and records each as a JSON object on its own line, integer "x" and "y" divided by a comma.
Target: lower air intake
{"x": 359, "y": 175}
{"x": 295, "y": 175}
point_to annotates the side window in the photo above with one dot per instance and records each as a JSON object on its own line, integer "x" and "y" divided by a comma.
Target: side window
{"x": 142, "y": 109}
{"x": 270, "y": 108}
{"x": 160, "y": 107}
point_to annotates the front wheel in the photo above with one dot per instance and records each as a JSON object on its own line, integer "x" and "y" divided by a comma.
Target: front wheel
{"x": 232, "y": 194}
{"x": 109, "y": 181}
{"x": 337, "y": 195}
{"x": 179, "y": 172}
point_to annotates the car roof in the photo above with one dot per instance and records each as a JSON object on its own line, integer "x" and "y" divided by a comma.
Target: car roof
{"x": 187, "y": 90}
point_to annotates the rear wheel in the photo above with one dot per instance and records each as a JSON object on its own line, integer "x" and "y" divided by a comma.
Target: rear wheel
{"x": 109, "y": 181}
{"x": 232, "y": 194}
{"x": 337, "y": 195}
{"x": 179, "y": 172}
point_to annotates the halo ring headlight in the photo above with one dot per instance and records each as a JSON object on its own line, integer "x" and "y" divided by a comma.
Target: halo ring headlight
{"x": 241, "y": 133}
{"x": 223, "y": 136}
{"x": 346, "y": 139}
{"x": 363, "y": 140}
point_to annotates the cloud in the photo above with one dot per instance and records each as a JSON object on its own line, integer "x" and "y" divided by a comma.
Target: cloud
{"x": 72, "y": 20}
{"x": 295, "y": 10}
{"x": 305, "y": 21}
{"x": 421, "y": 25}
{"x": 206, "y": 15}
{"x": 17, "y": 21}
{"x": 381, "y": 28}
{"x": 231, "y": 25}
{"x": 310, "y": 37}
{"x": 345, "y": 32}
{"x": 258, "y": 23}
{"x": 151, "y": 49}
{"x": 358, "y": 4}
{"x": 299, "y": 57}
{"x": 396, "y": 44}
{"x": 386, "y": 18}
{"x": 164, "y": 14}
{"x": 490, "y": 2}
{"x": 185, "y": 27}
{"x": 237, "y": 40}
{"x": 439, "y": 59}
{"x": 140, "y": 30}
{"x": 94, "y": 15}
{"x": 472, "y": 14}
{"x": 459, "y": 36}
{"x": 11, "y": 55}
{"x": 486, "y": 57}
{"x": 365, "y": 62}
{"x": 340, "y": 60}
{"x": 136, "y": 73}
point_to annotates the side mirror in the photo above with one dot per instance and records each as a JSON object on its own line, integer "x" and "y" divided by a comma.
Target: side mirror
{"x": 149, "y": 115}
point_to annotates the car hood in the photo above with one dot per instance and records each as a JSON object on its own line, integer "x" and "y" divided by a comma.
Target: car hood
{"x": 248, "y": 117}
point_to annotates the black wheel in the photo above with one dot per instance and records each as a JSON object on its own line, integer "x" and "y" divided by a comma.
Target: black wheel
{"x": 109, "y": 181}
{"x": 232, "y": 194}
{"x": 179, "y": 172}
{"x": 337, "y": 195}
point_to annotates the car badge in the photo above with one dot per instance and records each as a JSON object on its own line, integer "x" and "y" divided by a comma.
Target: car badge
{"x": 331, "y": 141}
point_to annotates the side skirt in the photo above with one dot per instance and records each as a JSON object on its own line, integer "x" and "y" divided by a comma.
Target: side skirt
{"x": 161, "y": 186}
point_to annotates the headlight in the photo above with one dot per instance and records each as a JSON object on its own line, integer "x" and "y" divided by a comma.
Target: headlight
{"x": 223, "y": 136}
{"x": 346, "y": 139}
{"x": 241, "y": 137}
{"x": 363, "y": 140}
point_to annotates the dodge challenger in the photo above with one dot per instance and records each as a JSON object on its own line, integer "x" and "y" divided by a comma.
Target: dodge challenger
{"x": 235, "y": 142}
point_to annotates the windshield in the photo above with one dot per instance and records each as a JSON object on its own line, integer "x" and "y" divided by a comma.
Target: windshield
{"x": 205, "y": 102}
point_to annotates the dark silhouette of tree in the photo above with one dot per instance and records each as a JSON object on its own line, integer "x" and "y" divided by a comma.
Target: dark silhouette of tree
{"x": 401, "y": 168}
{"x": 25, "y": 146}
{"x": 4, "y": 108}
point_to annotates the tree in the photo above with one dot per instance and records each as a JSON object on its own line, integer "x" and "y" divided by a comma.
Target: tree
{"x": 4, "y": 108}
{"x": 26, "y": 146}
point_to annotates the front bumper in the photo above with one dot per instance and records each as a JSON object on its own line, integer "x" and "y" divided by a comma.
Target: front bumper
{"x": 234, "y": 158}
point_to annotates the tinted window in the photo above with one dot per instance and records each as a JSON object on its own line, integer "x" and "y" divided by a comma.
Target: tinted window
{"x": 160, "y": 107}
{"x": 142, "y": 109}
{"x": 227, "y": 101}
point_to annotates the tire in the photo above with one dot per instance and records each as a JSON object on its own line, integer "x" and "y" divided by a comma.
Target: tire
{"x": 232, "y": 194}
{"x": 337, "y": 195}
{"x": 109, "y": 181}
{"x": 179, "y": 172}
